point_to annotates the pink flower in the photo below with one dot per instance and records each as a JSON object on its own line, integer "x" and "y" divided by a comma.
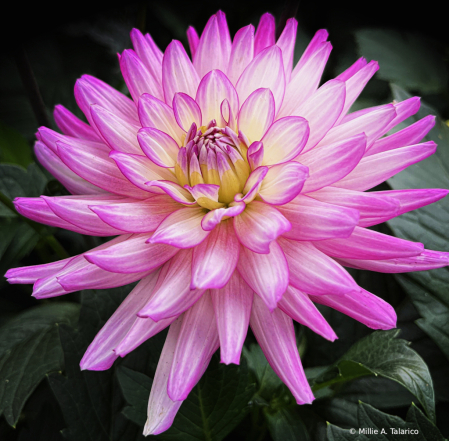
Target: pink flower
{"x": 236, "y": 189}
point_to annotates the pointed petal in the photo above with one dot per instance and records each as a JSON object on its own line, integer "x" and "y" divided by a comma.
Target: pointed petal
{"x": 174, "y": 190}
{"x": 265, "y": 33}
{"x": 30, "y": 274}
{"x": 275, "y": 334}
{"x": 352, "y": 70}
{"x": 72, "y": 126}
{"x": 287, "y": 43}
{"x": 320, "y": 37}
{"x": 266, "y": 274}
{"x": 193, "y": 39}
{"x": 186, "y": 111}
{"x": 242, "y": 53}
{"x": 214, "y": 217}
{"x": 159, "y": 147}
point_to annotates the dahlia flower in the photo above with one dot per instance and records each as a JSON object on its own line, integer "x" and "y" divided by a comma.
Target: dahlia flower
{"x": 236, "y": 188}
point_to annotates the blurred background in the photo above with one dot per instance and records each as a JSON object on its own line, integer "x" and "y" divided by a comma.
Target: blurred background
{"x": 57, "y": 44}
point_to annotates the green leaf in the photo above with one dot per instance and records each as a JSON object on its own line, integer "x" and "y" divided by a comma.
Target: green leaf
{"x": 30, "y": 349}
{"x": 14, "y": 147}
{"x": 374, "y": 424}
{"x": 411, "y": 61}
{"x": 286, "y": 425}
{"x": 382, "y": 354}
{"x": 15, "y": 181}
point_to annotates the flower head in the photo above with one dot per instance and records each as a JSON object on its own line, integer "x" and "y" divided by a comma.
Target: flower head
{"x": 236, "y": 189}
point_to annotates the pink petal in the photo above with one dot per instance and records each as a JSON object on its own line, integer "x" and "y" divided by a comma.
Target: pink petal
{"x": 214, "y": 47}
{"x": 29, "y": 274}
{"x": 257, "y": 114}
{"x": 197, "y": 342}
{"x": 408, "y": 136}
{"x": 266, "y": 70}
{"x": 232, "y": 307}
{"x": 132, "y": 256}
{"x": 213, "y": 89}
{"x": 266, "y": 274}
{"x": 312, "y": 271}
{"x": 283, "y": 183}
{"x": 287, "y": 43}
{"x": 138, "y": 79}
{"x": 242, "y": 52}
{"x": 100, "y": 355}
{"x": 178, "y": 73}
{"x": 265, "y": 33}
{"x": 285, "y": 139}
{"x": 275, "y": 334}
{"x": 159, "y": 147}
{"x": 158, "y": 115}
{"x": 174, "y": 190}
{"x": 320, "y": 37}
{"x": 369, "y": 244}
{"x": 119, "y": 134}
{"x": 305, "y": 81}
{"x": 215, "y": 259}
{"x": 321, "y": 110}
{"x": 161, "y": 409}
{"x": 362, "y": 306}
{"x": 72, "y": 126}
{"x": 333, "y": 162}
{"x": 181, "y": 229}
{"x": 255, "y": 155}
{"x": 352, "y": 70}
{"x": 300, "y": 308}
{"x": 186, "y": 111}
{"x": 314, "y": 220}
{"x": 136, "y": 216}
{"x": 259, "y": 225}
{"x": 193, "y": 39}
{"x": 253, "y": 184}
{"x": 375, "y": 169}
{"x": 214, "y": 217}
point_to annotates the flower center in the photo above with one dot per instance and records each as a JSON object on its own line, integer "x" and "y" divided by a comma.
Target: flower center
{"x": 213, "y": 155}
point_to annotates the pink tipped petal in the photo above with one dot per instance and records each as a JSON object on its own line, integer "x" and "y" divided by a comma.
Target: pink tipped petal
{"x": 136, "y": 216}
{"x": 174, "y": 190}
{"x": 242, "y": 53}
{"x": 266, "y": 70}
{"x": 259, "y": 225}
{"x": 208, "y": 191}
{"x": 161, "y": 409}
{"x": 265, "y": 33}
{"x": 90, "y": 90}
{"x": 320, "y": 37}
{"x": 72, "y": 126}
{"x": 197, "y": 342}
{"x": 75, "y": 210}
{"x": 321, "y": 110}
{"x": 214, "y": 217}
{"x": 275, "y": 334}
{"x": 362, "y": 306}
{"x": 215, "y": 259}
{"x": 149, "y": 53}
{"x": 181, "y": 229}
{"x": 117, "y": 133}
{"x": 138, "y": 169}
{"x": 333, "y": 162}
{"x": 408, "y": 136}
{"x": 214, "y": 47}
{"x": 30, "y": 274}
{"x": 137, "y": 77}
{"x": 283, "y": 183}
{"x": 404, "y": 110}
{"x": 159, "y": 147}
{"x": 257, "y": 114}
{"x": 285, "y": 140}
{"x": 352, "y": 70}
{"x": 214, "y": 88}
{"x": 427, "y": 260}
{"x": 253, "y": 184}
{"x": 312, "y": 271}
{"x": 314, "y": 220}
{"x": 255, "y": 155}
{"x": 193, "y": 39}
{"x": 132, "y": 255}
{"x": 266, "y": 274}
{"x": 287, "y": 43}
{"x": 232, "y": 307}
{"x": 186, "y": 111}
{"x": 375, "y": 169}
{"x": 36, "y": 209}
{"x": 356, "y": 83}
{"x": 369, "y": 244}
{"x": 300, "y": 308}
{"x": 156, "y": 114}
{"x": 305, "y": 81}
{"x": 372, "y": 206}
{"x": 178, "y": 72}
{"x": 71, "y": 181}
{"x": 100, "y": 354}
{"x": 372, "y": 124}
